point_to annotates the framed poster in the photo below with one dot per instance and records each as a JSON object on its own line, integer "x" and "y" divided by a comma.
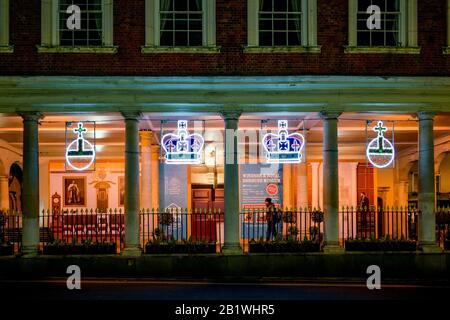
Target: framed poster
{"x": 74, "y": 191}
{"x": 121, "y": 188}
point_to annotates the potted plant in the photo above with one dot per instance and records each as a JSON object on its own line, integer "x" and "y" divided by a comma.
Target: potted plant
{"x": 447, "y": 241}
{"x": 289, "y": 217}
{"x": 6, "y": 249}
{"x": 385, "y": 244}
{"x": 317, "y": 216}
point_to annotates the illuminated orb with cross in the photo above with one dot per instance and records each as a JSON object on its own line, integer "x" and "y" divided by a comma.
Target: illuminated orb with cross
{"x": 283, "y": 147}
{"x": 380, "y": 151}
{"x": 80, "y": 153}
{"x": 181, "y": 147}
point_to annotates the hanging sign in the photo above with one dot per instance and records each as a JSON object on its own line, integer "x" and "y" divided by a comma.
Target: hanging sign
{"x": 283, "y": 147}
{"x": 181, "y": 147}
{"x": 80, "y": 153}
{"x": 380, "y": 151}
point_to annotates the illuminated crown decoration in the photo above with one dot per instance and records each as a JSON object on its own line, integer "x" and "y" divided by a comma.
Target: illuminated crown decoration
{"x": 80, "y": 153}
{"x": 181, "y": 147}
{"x": 283, "y": 147}
{"x": 380, "y": 151}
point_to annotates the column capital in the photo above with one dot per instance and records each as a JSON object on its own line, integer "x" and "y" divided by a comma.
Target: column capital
{"x": 426, "y": 115}
{"x": 132, "y": 115}
{"x": 31, "y": 115}
{"x": 146, "y": 137}
{"x": 231, "y": 114}
{"x": 329, "y": 114}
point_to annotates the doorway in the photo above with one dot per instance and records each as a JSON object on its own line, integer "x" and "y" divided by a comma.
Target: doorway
{"x": 204, "y": 224}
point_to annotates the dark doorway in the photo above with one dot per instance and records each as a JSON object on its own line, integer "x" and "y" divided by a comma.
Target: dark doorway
{"x": 15, "y": 188}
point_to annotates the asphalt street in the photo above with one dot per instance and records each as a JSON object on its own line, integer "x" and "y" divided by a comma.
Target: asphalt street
{"x": 150, "y": 290}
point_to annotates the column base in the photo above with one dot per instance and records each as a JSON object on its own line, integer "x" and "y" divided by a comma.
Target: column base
{"x": 333, "y": 249}
{"x": 29, "y": 252}
{"x": 430, "y": 248}
{"x": 131, "y": 252}
{"x": 232, "y": 249}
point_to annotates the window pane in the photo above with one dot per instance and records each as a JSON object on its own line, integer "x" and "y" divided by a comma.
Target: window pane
{"x": 195, "y": 39}
{"x": 388, "y": 34}
{"x": 280, "y": 38}
{"x": 294, "y": 39}
{"x": 280, "y": 5}
{"x": 265, "y": 5}
{"x": 166, "y": 38}
{"x": 364, "y": 39}
{"x": 181, "y": 38}
{"x": 280, "y": 22}
{"x": 184, "y": 20}
{"x": 181, "y": 5}
{"x": 265, "y": 39}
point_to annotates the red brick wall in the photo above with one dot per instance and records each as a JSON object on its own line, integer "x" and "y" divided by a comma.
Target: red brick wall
{"x": 231, "y": 35}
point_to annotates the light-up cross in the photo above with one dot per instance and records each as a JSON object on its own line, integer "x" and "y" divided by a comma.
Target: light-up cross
{"x": 80, "y": 130}
{"x": 271, "y": 146}
{"x": 170, "y": 146}
{"x": 195, "y": 146}
{"x": 380, "y": 129}
{"x": 296, "y": 145}
{"x": 283, "y": 145}
{"x": 182, "y": 145}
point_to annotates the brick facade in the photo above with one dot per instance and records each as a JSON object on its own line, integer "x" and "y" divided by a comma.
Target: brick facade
{"x": 129, "y": 34}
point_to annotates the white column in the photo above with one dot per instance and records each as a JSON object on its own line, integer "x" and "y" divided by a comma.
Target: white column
{"x": 354, "y": 186}
{"x": 315, "y": 184}
{"x": 231, "y": 185}
{"x": 132, "y": 185}
{"x": 330, "y": 181}
{"x": 155, "y": 176}
{"x": 427, "y": 196}
{"x": 30, "y": 195}
{"x": 146, "y": 169}
{"x": 4, "y": 193}
{"x": 302, "y": 185}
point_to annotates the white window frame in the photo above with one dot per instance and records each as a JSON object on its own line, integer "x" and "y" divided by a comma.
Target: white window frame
{"x": 50, "y": 31}
{"x": 408, "y": 30}
{"x": 5, "y": 47}
{"x": 447, "y": 48}
{"x": 152, "y": 31}
{"x": 309, "y": 30}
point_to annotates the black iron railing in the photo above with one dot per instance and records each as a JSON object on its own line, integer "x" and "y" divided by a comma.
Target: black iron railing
{"x": 378, "y": 223}
{"x": 443, "y": 227}
{"x": 258, "y": 226}
{"x": 82, "y": 226}
{"x": 182, "y": 230}
{"x": 201, "y": 231}
{"x": 11, "y": 231}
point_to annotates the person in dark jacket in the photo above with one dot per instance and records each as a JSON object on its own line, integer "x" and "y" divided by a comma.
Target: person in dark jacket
{"x": 272, "y": 219}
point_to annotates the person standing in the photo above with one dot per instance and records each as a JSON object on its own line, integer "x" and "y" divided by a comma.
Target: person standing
{"x": 272, "y": 219}
{"x": 364, "y": 209}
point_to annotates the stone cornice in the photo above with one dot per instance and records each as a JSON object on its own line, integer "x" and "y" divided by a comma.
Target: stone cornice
{"x": 214, "y": 94}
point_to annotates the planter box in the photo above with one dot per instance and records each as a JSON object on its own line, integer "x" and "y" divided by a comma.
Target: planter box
{"x": 276, "y": 247}
{"x": 6, "y": 250}
{"x": 380, "y": 245}
{"x": 447, "y": 245}
{"x": 164, "y": 248}
{"x": 77, "y": 249}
